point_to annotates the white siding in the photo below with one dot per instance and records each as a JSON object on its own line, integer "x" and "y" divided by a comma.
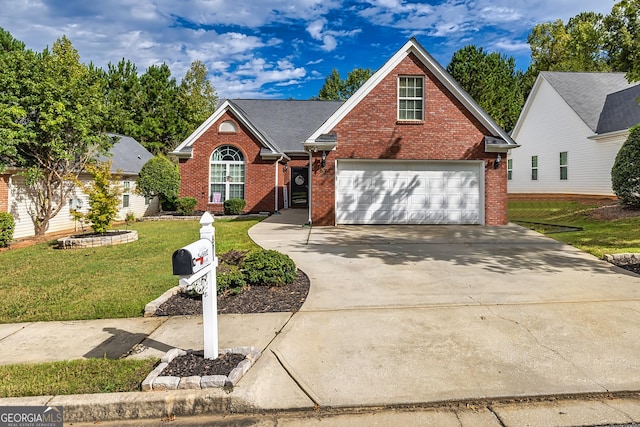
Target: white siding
{"x": 547, "y": 127}
{"x": 20, "y": 203}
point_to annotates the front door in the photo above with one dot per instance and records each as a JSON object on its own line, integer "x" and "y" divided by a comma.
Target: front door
{"x": 299, "y": 187}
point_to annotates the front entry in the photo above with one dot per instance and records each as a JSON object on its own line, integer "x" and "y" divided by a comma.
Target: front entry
{"x": 299, "y": 187}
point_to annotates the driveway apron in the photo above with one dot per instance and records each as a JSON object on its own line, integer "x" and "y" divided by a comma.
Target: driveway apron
{"x": 415, "y": 314}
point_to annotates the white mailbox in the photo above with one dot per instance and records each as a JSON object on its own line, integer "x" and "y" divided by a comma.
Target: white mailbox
{"x": 192, "y": 258}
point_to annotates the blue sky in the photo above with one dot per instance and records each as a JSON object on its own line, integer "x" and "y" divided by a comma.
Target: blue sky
{"x": 279, "y": 48}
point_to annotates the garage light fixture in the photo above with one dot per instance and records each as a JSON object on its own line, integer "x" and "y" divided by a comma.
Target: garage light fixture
{"x": 496, "y": 164}
{"x": 324, "y": 159}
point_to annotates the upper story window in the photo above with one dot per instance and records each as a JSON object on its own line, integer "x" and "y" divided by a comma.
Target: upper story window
{"x": 411, "y": 98}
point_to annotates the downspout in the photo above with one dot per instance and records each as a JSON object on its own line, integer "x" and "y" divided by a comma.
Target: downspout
{"x": 276, "y": 187}
{"x": 310, "y": 198}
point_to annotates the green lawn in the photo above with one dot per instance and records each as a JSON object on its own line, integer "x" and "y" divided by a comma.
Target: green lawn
{"x": 41, "y": 283}
{"x": 597, "y": 237}
{"x": 74, "y": 377}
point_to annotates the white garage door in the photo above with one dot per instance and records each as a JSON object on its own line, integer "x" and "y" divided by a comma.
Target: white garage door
{"x": 409, "y": 192}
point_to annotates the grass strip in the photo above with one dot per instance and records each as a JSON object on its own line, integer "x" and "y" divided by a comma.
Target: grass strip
{"x": 74, "y": 377}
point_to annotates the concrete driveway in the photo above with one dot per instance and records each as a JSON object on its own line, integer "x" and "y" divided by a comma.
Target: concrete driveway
{"x": 418, "y": 314}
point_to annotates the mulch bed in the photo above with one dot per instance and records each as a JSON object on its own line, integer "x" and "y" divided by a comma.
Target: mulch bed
{"x": 253, "y": 299}
{"x": 194, "y": 363}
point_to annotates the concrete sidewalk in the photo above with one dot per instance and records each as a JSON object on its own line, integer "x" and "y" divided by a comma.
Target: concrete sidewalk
{"x": 467, "y": 323}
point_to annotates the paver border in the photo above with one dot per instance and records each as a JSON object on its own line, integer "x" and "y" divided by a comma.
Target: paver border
{"x": 155, "y": 381}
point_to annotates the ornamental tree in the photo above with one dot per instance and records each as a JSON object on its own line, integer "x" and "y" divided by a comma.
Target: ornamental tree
{"x": 625, "y": 174}
{"x": 104, "y": 196}
{"x": 159, "y": 177}
{"x": 50, "y": 122}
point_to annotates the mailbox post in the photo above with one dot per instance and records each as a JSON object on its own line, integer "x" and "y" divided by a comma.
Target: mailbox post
{"x": 196, "y": 265}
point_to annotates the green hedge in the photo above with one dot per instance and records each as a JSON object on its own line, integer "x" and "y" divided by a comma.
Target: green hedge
{"x": 269, "y": 267}
{"x": 186, "y": 205}
{"x": 234, "y": 206}
{"x": 7, "y": 226}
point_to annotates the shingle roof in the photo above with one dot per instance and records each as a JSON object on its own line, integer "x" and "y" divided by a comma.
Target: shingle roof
{"x": 286, "y": 123}
{"x": 587, "y": 93}
{"x": 127, "y": 155}
{"x": 620, "y": 111}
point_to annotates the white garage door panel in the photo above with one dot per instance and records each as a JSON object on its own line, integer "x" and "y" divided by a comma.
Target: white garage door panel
{"x": 398, "y": 192}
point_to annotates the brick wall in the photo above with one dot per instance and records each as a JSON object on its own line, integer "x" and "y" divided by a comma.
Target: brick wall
{"x": 259, "y": 174}
{"x": 4, "y": 193}
{"x": 371, "y": 131}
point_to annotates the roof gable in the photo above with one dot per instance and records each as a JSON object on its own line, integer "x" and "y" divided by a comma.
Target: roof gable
{"x": 280, "y": 125}
{"x": 413, "y": 47}
{"x": 587, "y": 93}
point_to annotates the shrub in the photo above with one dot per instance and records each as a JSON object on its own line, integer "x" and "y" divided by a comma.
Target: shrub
{"x": 7, "y": 225}
{"x": 269, "y": 267}
{"x": 234, "y": 206}
{"x": 186, "y": 205}
{"x": 625, "y": 174}
{"x": 229, "y": 279}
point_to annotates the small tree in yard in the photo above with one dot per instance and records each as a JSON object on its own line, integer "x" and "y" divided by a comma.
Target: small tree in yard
{"x": 159, "y": 177}
{"x": 104, "y": 196}
{"x": 625, "y": 174}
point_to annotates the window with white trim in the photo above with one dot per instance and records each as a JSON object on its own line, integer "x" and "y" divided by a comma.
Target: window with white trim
{"x": 509, "y": 169}
{"x": 534, "y": 168}
{"x": 564, "y": 166}
{"x": 411, "y": 98}
{"x": 125, "y": 193}
{"x": 227, "y": 173}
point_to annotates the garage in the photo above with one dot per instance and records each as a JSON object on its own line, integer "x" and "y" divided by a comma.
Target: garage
{"x": 409, "y": 192}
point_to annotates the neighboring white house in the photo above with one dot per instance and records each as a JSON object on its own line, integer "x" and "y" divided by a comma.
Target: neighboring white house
{"x": 570, "y": 130}
{"x": 127, "y": 157}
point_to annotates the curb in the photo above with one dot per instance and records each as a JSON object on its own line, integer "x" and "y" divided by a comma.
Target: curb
{"x": 151, "y": 307}
{"x": 624, "y": 258}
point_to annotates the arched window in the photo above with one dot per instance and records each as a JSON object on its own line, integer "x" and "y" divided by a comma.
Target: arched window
{"x": 226, "y": 174}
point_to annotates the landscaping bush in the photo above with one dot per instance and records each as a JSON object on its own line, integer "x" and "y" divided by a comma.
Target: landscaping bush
{"x": 625, "y": 174}
{"x": 7, "y": 225}
{"x": 234, "y": 206}
{"x": 269, "y": 267}
{"x": 186, "y": 205}
{"x": 229, "y": 279}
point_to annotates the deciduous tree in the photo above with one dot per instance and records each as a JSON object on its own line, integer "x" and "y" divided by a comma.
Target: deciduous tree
{"x": 197, "y": 98}
{"x": 159, "y": 177}
{"x": 51, "y": 109}
{"x": 623, "y": 38}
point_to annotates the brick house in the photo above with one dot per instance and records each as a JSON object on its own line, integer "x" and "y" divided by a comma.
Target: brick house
{"x": 409, "y": 147}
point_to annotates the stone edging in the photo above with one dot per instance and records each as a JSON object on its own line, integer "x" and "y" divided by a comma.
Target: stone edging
{"x": 155, "y": 381}
{"x": 108, "y": 239}
{"x": 150, "y": 308}
{"x": 626, "y": 258}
